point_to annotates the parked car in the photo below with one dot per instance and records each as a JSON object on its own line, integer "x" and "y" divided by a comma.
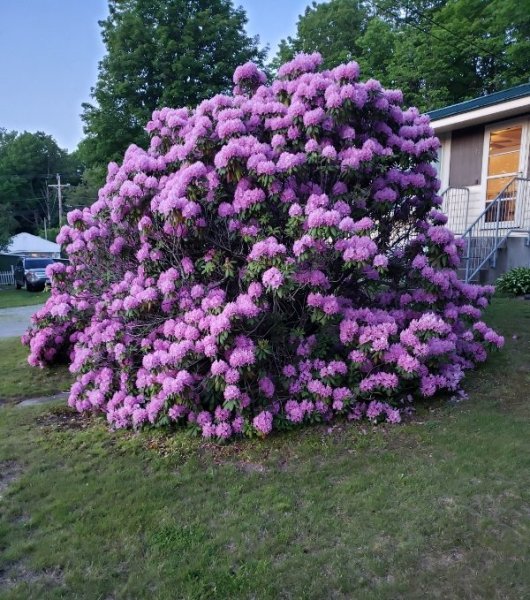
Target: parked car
{"x": 31, "y": 273}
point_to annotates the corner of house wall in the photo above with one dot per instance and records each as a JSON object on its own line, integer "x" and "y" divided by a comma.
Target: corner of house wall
{"x": 445, "y": 162}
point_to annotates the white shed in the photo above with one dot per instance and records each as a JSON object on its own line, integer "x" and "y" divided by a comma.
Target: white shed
{"x": 27, "y": 244}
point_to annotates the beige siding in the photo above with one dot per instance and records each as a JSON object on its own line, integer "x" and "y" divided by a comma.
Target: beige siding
{"x": 466, "y": 157}
{"x": 476, "y": 203}
{"x": 445, "y": 154}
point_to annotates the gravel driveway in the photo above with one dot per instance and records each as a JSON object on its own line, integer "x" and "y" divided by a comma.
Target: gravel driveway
{"x": 14, "y": 321}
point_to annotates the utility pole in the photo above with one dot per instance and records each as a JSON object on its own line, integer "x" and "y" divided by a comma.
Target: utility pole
{"x": 60, "y": 187}
{"x": 45, "y": 231}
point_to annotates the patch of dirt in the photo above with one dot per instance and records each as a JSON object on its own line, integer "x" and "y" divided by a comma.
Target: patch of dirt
{"x": 235, "y": 453}
{"x": 249, "y": 467}
{"x": 448, "y": 502}
{"x": 383, "y": 544}
{"x": 22, "y": 520}
{"x": 434, "y": 562}
{"x": 18, "y": 573}
{"x": 9, "y": 472}
{"x": 64, "y": 418}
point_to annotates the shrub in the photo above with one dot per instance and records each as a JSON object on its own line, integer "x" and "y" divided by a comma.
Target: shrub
{"x": 515, "y": 282}
{"x": 276, "y": 256}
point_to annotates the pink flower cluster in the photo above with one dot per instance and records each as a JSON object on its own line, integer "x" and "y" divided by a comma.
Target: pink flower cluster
{"x": 275, "y": 257}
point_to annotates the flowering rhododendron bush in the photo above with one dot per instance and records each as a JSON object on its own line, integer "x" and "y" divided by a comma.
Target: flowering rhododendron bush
{"x": 276, "y": 256}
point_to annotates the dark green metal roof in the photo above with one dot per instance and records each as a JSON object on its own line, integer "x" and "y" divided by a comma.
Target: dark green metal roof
{"x": 519, "y": 91}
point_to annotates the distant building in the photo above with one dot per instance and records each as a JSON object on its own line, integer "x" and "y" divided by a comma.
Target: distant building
{"x": 484, "y": 166}
{"x": 27, "y": 244}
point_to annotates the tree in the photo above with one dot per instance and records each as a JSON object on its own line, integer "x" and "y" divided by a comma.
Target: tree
{"x": 480, "y": 47}
{"x": 7, "y": 225}
{"x": 377, "y": 45}
{"x": 276, "y": 256}
{"x": 159, "y": 53}
{"x": 331, "y": 28}
{"x": 28, "y": 161}
{"x": 437, "y": 51}
{"x": 86, "y": 192}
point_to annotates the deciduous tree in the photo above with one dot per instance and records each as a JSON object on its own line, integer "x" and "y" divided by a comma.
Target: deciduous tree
{"x": 437, "y": 51}
{"x": 27, "y": 162}
{"x": 160, "y": 53}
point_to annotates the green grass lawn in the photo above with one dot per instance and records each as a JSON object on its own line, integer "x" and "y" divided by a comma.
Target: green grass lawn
{"x": 18, "y": 380}
{"x": 10, "y": 297}
{"x": 435, "y": 508}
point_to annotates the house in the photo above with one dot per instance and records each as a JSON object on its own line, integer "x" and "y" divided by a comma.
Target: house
{"x": 484, "y": 167}
{"x": 27, "y": 244}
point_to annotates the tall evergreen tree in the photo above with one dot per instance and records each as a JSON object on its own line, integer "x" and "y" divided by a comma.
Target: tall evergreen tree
{"x": 160, "y": 53}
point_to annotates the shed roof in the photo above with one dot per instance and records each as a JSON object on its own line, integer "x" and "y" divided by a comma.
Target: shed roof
{"x": 27, "y": 242}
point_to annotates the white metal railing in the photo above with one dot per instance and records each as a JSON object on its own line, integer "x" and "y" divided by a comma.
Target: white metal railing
{"x": 7, "y": 278}
{"x": 505, "y": 214}
{"x": 456, "y": 206}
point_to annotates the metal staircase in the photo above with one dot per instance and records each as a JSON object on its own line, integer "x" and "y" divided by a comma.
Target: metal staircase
{"x": 509, "y": 212}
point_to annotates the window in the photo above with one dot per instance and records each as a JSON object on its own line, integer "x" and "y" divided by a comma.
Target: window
{"x": 504, "y": 155}
{"x": 38, "y": 263}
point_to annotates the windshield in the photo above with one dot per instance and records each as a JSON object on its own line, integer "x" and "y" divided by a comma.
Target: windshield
{"x": 38, "y": 263}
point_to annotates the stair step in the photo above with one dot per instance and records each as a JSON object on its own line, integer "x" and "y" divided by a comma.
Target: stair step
{"x": 461, "y": 274}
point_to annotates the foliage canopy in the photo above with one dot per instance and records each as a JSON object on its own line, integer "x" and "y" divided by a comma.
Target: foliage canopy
{"x": 437, "y": 51}
{"x": 160, "y": 53}
{"x": 28, "y": 161}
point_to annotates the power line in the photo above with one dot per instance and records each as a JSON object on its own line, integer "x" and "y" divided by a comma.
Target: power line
{"x": 59, "y": 186}
{"x": 471, "y": 41}
{"x": 399, "y": 18}
{"x": 40, "y": 175}
{"x": 430, "y": 34}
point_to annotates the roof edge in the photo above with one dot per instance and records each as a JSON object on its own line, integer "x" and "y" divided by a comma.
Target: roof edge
{"x": 519, "y": 91}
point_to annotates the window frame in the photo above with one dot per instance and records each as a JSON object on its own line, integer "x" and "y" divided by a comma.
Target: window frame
{"x": 523, "y": 156}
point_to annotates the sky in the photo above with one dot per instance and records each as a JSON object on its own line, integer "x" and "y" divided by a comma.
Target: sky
{"x": 50, "y": 49}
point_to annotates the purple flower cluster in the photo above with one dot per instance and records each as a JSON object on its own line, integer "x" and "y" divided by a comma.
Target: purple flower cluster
{"x": 266, "y": 262}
